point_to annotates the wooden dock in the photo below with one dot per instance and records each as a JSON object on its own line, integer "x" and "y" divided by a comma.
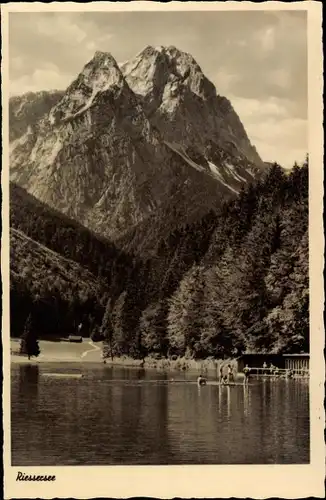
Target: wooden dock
{"x": 275, "y": 372}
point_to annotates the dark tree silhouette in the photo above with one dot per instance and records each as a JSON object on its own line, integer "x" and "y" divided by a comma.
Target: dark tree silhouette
{"x": 29, "y": 343}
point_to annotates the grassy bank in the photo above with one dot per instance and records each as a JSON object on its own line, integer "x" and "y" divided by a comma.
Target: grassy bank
{"x": 87, "y": 351}
{"x": 56, "y": 351}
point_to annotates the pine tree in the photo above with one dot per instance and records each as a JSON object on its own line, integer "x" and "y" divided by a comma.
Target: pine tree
{"x": 106, "y": 329}
{"x": 121, "y": 335}
{"x": 29, "y": 344}
{"x": 153, "y": 327}
{"x": 216, "y": 339}
{"x": 184, "y": 317}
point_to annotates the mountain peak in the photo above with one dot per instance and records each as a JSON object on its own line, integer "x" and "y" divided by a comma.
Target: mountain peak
{"x": 100, "y": 74}
{"x": 165, "y": 74}
{"x": 177, "y": 60}
{"x": 104, "y": 59}
{"x": 183, "y": 103}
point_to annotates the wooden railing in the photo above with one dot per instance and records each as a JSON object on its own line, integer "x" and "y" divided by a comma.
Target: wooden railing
{"x": 274, "y": 372}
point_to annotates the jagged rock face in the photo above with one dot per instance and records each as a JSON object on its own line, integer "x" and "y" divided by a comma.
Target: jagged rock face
{"x": 27, "y": 110}
{"x": 125, "y": 142}
{"x": 184, "y": 106}
{"x": 162, "y": 75}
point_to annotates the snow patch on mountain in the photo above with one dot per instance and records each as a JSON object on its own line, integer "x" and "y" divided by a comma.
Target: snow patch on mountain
{"x": 215, "y": 170}
{"x": 177, "y": 149}
{"x": 234, "y": 173}
{"x": 217, "y": 174}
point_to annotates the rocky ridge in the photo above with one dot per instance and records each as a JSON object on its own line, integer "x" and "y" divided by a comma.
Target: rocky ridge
{"x": 27, "y": 110}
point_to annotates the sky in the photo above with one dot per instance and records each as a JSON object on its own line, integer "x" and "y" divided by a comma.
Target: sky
{"x": 256, "y": 59}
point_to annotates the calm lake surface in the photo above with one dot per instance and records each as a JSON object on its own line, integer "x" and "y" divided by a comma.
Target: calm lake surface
{"x": 128, "y": 416}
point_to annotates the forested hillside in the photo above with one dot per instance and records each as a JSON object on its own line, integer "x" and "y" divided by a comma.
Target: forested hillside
{"x": 60, "y": 272}
{"x": 54, "y": 290}
{"x": 236, "y": 280}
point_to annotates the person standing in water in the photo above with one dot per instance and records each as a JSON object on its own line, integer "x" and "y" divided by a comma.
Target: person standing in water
{"x": 246, "y": 372}
{"x": 221, "y": 372}
{"x": 230, "y": 375}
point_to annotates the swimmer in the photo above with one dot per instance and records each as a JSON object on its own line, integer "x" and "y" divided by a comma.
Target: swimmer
{"x": 230, "y": 375}
{"x": 201, "y": 380}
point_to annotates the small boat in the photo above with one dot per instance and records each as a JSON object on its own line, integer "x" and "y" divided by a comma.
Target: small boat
{"x": 228, "y": 384}
{"x": 63, "y": 375}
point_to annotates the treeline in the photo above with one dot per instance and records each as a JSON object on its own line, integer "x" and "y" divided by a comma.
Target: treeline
{"x": 236, "y": 281}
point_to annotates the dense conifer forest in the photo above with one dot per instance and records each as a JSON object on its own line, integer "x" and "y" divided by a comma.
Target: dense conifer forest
{"x": 235, "y": 281}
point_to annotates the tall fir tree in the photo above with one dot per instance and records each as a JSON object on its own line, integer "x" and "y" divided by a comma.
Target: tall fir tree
{"x": 106, "y": 330}
{"x": 184, "y": 317}
{"x": 29, "y": 343}
{"x": 153, "y": 327}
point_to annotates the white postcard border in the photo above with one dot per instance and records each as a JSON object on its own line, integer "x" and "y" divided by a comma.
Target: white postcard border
{"x": 256, "y": 481}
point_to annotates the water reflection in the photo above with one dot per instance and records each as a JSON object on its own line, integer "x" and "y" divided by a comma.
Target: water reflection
{"x": 246, "y": 400}
{"x": 28, "y": 380}
{"x": 228, "y": 396}
{"x": 119, "y": 416}
{"x": 219, "y": 399}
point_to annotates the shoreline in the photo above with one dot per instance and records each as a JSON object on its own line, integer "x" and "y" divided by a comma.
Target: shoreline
{"x": 181, "y": 364}
{"x": 164, "y": 364}
{"x": 92, "y": 352}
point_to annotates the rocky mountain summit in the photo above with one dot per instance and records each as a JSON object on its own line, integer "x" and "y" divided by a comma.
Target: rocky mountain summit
{"x": 183, "y": 104}
{"x": 126, "y": 142}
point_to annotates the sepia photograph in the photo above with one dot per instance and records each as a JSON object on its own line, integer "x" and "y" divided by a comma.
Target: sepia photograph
{"x": 159, "y": 280}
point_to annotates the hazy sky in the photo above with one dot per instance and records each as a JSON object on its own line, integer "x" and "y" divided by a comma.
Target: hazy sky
{"x": 256, "y": 59}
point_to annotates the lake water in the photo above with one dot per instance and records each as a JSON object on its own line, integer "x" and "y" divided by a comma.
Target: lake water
{"x": 129, "y": 416}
